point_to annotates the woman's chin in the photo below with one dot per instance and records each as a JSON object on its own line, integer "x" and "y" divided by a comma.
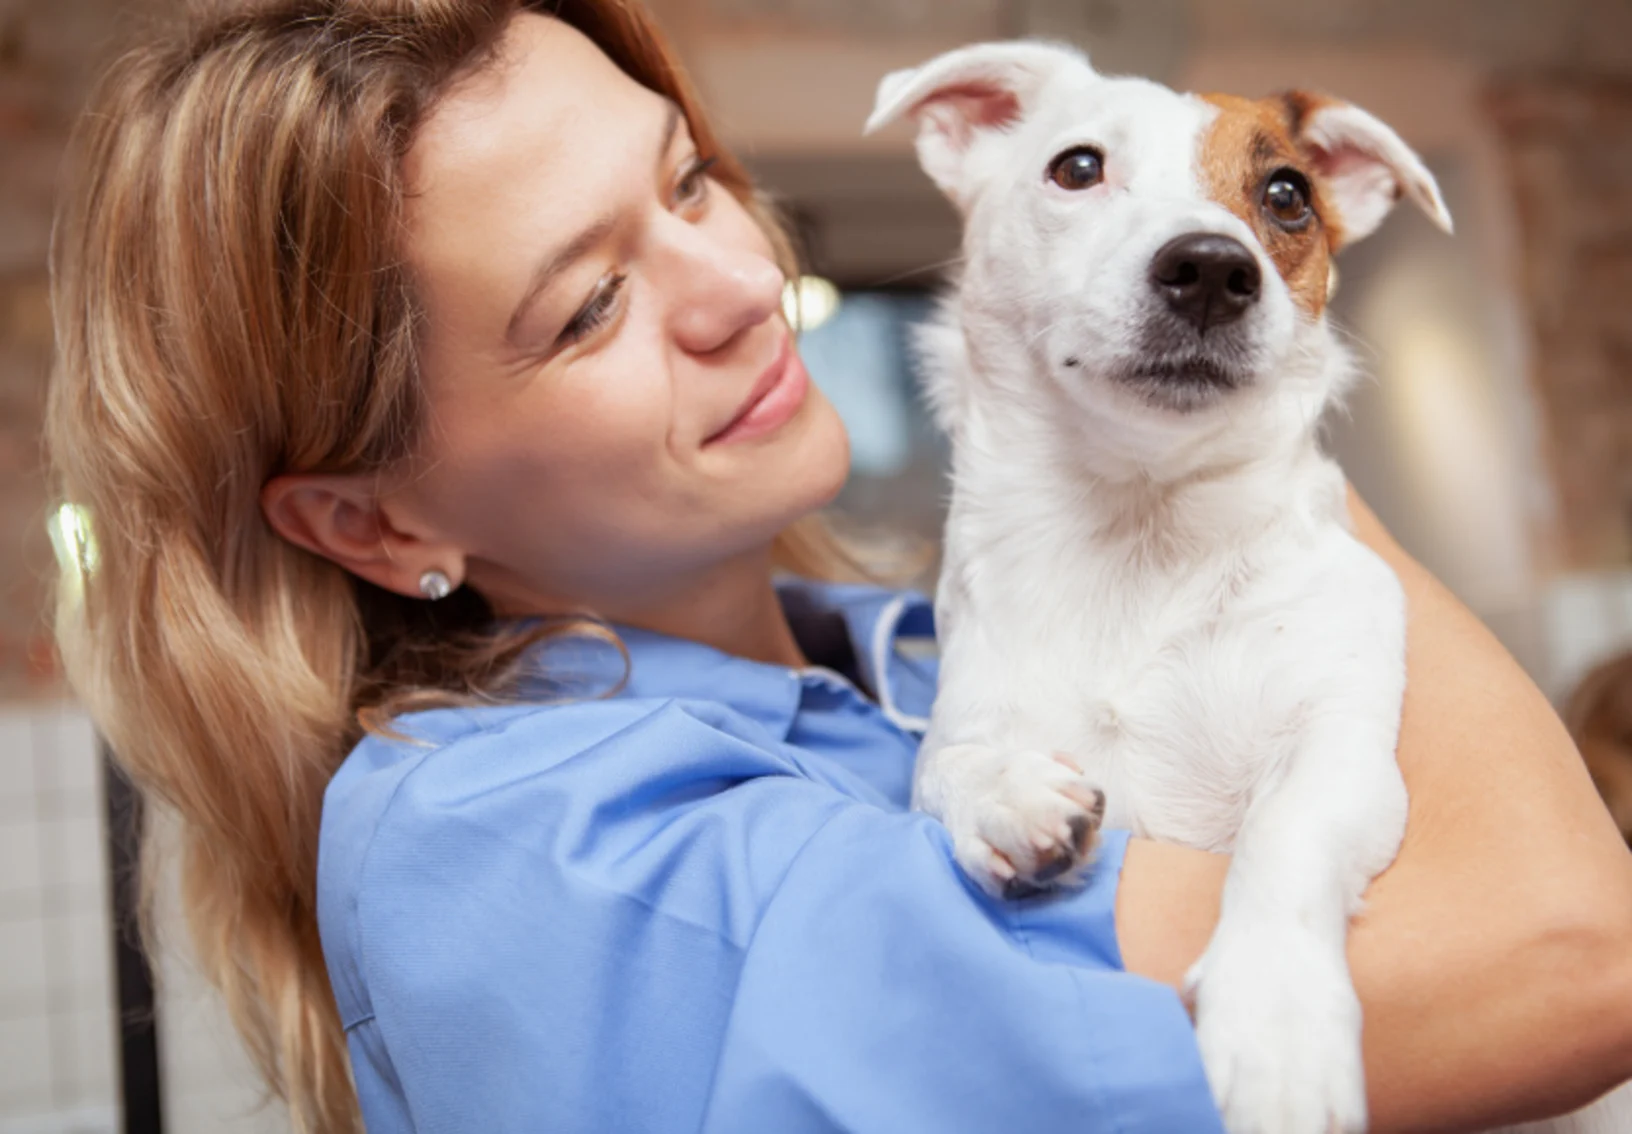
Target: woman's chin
{"x": 827, "y": 465}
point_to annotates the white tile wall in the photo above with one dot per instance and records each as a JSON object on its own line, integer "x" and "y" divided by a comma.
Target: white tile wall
{"x": 24, "y": 984}
{"x": 58, "y": 1044}
{"x": 20, "y": 872}
{"x": 25, "y": 1062}
{"x": 56, "y": 1009}
{"x": 16, "y": 764}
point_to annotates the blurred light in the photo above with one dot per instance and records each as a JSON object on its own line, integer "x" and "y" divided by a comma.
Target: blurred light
{"x": 1439, "y": 402}
{"x": 70, "y": 529}
{"x": 1448, "y": 441}
{"x": 810, "y": 301}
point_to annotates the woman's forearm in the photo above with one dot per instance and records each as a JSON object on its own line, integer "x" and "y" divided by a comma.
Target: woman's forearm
{"x": 1494, "y": 960}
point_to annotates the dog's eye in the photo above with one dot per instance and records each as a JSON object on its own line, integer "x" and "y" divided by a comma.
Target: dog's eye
{"x": 1077, "y": 168}
{"x": 1286, "y": 199}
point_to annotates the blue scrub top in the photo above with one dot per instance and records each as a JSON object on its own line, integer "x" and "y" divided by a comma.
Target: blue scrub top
{"x": 701, "y": 904}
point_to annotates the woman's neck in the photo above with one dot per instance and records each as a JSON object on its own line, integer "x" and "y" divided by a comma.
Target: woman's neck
{"x": 733, "y": 608}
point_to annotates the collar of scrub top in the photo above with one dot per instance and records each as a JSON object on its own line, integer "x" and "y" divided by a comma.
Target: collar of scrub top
{"x": 891, "y": 633}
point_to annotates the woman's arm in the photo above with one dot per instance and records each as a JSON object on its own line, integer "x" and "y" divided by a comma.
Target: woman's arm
{"x": 1494, "y": 959}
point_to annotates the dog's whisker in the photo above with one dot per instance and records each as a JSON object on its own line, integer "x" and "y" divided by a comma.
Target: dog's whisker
{"x": 933, "y": 268}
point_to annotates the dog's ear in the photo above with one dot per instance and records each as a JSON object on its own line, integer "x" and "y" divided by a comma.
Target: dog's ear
{"x": 1364, "y": 165}
{"x": 963, "y": 97}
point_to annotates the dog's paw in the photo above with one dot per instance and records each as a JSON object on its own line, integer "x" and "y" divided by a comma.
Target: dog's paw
{"x": 1021, "y": 821}
{"x": 1278, "y": 1024}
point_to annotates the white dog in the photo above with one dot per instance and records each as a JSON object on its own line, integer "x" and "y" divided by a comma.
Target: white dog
{"x": 1148, "y": 561}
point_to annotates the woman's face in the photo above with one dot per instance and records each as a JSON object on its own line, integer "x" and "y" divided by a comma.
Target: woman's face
{"x": 616, "y": 406}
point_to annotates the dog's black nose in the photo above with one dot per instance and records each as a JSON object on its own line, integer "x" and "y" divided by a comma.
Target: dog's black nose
{"x": 1206, "y": 278}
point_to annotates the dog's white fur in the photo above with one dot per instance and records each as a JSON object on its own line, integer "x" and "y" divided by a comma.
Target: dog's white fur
{"x": 1163, "y": 588}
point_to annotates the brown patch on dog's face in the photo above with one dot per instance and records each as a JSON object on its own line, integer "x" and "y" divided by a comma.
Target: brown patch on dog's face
{"x": 1250, "y": 142}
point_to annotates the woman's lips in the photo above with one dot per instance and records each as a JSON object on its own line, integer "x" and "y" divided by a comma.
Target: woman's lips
{"x": 775, "y": 398}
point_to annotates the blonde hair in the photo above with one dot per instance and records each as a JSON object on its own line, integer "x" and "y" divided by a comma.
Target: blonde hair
{"x": 230, "y": 305}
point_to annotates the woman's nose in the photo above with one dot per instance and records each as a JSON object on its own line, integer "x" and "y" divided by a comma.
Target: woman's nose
{"x": 720, "y": 291}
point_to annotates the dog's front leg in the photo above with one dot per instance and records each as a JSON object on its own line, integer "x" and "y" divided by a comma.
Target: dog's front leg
{"x": 1276, "y": 1014}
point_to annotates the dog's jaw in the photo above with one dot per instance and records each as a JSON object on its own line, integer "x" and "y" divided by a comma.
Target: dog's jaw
{"x": 1182, "y": 385}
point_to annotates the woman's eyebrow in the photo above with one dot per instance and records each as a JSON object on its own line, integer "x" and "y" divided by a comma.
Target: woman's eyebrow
{"x": 587, "y": 240}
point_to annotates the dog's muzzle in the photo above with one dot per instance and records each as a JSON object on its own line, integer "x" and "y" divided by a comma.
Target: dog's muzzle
{"x": 1204, "y": 282}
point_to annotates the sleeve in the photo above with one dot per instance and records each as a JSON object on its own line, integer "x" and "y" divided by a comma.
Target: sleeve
{"x": 637, "y": 919}
{"x": 884, "y": 992}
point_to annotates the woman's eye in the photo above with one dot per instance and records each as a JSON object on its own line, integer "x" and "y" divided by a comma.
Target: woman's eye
{"x": 593, "y": 314}
{"x": 693, "y": 187}
{"x": 1286, "y": 199}
{"x": 1081, "y": 167}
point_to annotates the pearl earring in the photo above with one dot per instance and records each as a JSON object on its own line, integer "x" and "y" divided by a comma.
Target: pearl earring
{"x": 435, "y": 585}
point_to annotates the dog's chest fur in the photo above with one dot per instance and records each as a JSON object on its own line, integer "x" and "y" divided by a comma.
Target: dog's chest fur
{"x": 1175, "y": 665}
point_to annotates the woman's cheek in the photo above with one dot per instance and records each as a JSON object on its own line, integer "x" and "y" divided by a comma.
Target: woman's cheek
{"x": 615, "y": 415}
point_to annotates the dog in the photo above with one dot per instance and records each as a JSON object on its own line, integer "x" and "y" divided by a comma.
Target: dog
{"x": 1153, "y": 612}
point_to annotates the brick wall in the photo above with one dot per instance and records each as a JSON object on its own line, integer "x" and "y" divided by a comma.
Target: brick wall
{"x": 30, "y": 131}
{"x": 1592, "y": 35}
{"x": 1560, "y": 98}
{"x": 49, "y": 50}
{"x": 1568, "y": 143}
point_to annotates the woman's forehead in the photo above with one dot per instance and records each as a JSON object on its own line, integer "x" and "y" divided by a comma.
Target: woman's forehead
{"x": 549, "y": 92}
{"x": 518, "y": 157}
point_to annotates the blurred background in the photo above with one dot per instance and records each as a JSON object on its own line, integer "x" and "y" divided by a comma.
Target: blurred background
{"x": 1493, "y": 433}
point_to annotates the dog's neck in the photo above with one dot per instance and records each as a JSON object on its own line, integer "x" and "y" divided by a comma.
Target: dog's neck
{"x": 1026, "y": 475}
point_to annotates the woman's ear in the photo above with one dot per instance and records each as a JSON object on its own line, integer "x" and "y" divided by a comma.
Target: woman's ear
{"x": 343, "y": 519}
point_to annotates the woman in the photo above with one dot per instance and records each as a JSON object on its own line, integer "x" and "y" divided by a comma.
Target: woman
{"x": 421, "y": 368}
